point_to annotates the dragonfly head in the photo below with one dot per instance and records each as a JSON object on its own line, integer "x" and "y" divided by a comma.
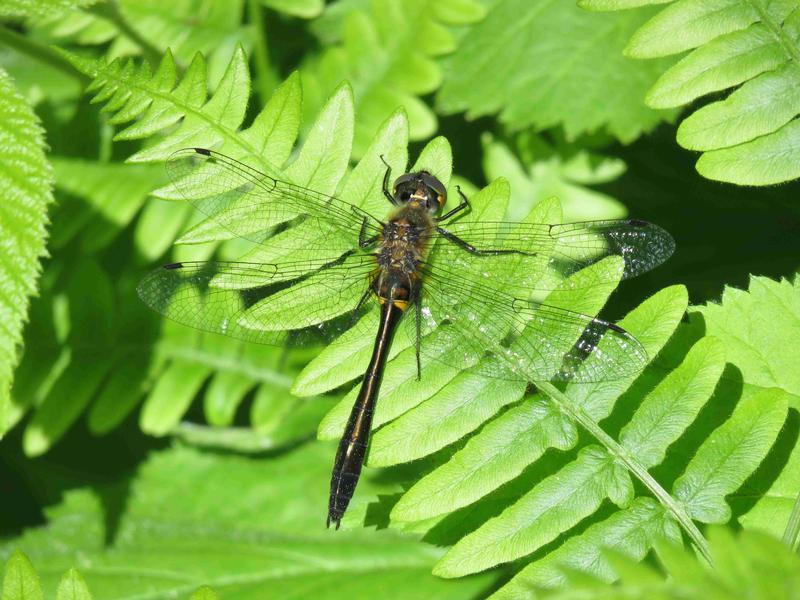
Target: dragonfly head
{"x": 420, "y": 190}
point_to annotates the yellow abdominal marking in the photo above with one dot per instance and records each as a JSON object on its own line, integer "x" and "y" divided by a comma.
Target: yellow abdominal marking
{"x": 401, "y": 304}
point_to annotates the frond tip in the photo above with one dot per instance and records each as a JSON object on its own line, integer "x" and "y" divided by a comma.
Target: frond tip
{"x": 751, "y": 47}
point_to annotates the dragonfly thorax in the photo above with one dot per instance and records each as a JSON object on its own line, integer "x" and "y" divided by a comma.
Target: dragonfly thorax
{"x": 401, "y": 253}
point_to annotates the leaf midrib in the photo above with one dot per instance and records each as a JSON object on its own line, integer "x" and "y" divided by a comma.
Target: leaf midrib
{"x": 188, "y": 110}
{"x": 631, "y": 462}
{"x": 792, "y": 50}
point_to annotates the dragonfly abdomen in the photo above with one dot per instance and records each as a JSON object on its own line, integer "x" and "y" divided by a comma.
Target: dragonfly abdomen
{"x": 353, "y": 445}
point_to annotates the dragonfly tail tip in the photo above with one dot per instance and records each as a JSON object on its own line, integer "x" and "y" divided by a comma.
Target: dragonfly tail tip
{"x": 337, "y": 521}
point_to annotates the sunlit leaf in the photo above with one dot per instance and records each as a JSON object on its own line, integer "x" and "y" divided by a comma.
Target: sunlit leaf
{"x": 26, "y": 182}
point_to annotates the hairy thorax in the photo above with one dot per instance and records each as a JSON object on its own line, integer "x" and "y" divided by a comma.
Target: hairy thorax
{"x": 402, "y": 250}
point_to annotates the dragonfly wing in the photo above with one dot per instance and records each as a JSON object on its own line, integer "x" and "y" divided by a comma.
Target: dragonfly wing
{"x": 292, "y": 304}
{"x": 249, "y": 203}
{"x": 551, "y": 252}
{"x": 468, "y": 323}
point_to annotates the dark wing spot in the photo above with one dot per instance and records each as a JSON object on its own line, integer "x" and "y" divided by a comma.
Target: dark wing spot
{"x": 616, "y": 328}
{"x": 203, "y": 151}
{"x": 176, "y": 265}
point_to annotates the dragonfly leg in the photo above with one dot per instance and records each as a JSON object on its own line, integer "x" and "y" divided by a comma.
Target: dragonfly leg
{"x": 386, "y": 178}
{"x": 363, "y": 240}
{"x": 480, "y": 252}
{"x": 418, "y": 315}
{"x": 463, "y": 205}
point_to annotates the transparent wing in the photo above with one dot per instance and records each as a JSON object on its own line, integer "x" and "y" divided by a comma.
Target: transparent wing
{"x": 467, "y": 322}
{"x": 538, "y": 256}
{"x": 298, "y": 303}
{"x": 249, "y": 203}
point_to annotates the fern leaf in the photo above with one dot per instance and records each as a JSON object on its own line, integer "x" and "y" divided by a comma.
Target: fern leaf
{"x": 41, "y": 8}
{"x": 386, "y": 51}
{"x": 73, "y": 587}
{"x": 440, "y": 432}
{"x": 749, "y": 138}
{"x": 539, "y": 171}
{"x": 25, "y": 182}
{"x": 750, "y": 564}
{"x": 171, "y": 396}
{"x": 224, "y": 395}
{"x": 554, "y": 505}
{"x": 630, "y": 531}
{"x": 756, "y": 325}
{"x": 158, "y": 101}
{"x": 520, "y": 436}
{"x": 120, "y": 394}
{"x": 150, "y": 27}
{"x": 418, "y": 422}
{"x": 730, "y": 454}
{"x": 204, "y": 593}
{"x": 506, "y": 49}
{"x": 134, "y": 92}
{"x": 583, "y": 485}
{"x": 674, "y": 403}
{"x": 88, "y": 358}
{"x": 223, "y": 540}
{"x": 111, "y": 207}
{"x": 21, "y": 581}
{"x": 720, "y": 464}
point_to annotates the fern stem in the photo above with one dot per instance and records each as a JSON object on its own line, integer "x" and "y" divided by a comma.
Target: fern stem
{"x": 110, "y": 11}
{"x": 41, "y": 53}
{"x": 784, "y": 40}
{"x": 793, "y": 525}
{"x": 622, "y": 454}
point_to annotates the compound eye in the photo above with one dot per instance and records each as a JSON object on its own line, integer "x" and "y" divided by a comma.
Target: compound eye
{"x": 403, "y": 179}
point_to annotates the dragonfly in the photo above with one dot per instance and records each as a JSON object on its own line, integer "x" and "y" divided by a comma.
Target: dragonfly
{"x": 474, "y": 289}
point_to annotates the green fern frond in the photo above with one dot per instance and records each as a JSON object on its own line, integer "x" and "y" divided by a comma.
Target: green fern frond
{"x": 386, "y": 51}
{"x": 149, "y": 27}
{"x": 113, "y": 381}
{"x": 539, "y": 171}
{"x": 26, "y": 181}
{"x": 108, "y": 208}
{"x": 20, "y": 581}
{"x": 245, "y": 538}
{"x": 486, "y": 435}
{"x": 549, "y": 64}
{"x": 751, "y": 47}
{"x": 41, "y": 8}
{"x": 157, "y": 101}
{"x": 750, "y": 564}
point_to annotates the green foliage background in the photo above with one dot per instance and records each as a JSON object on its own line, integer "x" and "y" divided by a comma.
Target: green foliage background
{"x": 144, "y": 459}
